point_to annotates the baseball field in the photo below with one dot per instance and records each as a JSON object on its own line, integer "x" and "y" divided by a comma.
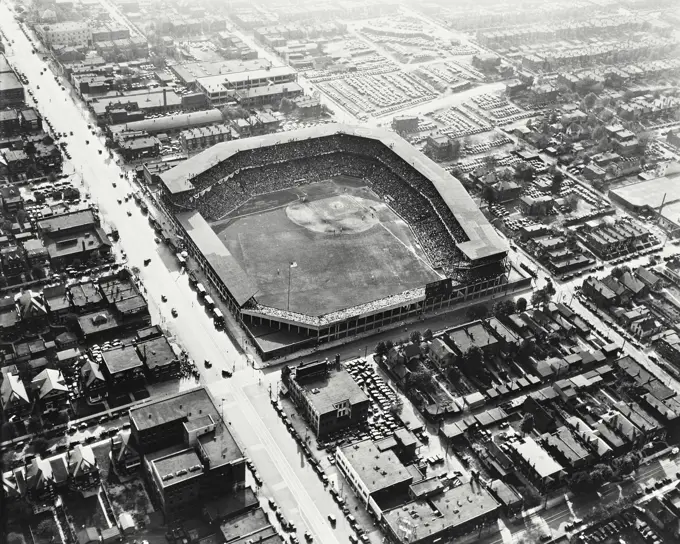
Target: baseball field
{"x": 324, "y": 247}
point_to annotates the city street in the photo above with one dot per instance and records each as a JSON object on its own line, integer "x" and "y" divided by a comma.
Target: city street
{"x": 245, "y": 405}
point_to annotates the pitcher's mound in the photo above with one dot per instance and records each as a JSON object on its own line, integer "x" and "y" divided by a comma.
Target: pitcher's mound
{"x": 341, "y": 214}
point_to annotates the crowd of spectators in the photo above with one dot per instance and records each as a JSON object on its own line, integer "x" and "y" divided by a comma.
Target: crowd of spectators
{"x": 227, "y": 185}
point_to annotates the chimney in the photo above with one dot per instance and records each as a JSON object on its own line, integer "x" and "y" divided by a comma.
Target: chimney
{"x": 165, "y": 98}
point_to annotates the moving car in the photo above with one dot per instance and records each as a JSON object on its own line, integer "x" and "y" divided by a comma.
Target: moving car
{"x": 174, "y": 312}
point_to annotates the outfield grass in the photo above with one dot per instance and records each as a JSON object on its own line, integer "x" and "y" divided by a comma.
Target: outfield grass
{"x": 349, "y": 247}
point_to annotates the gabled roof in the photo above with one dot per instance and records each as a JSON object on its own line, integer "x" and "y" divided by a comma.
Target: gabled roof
{"x": 49, "y": 381}
{"x": 13, "y": 391}
{"x": 91, "y": 373}
{"x": 646, "y": 276}
{"x": 632, "y": 283}
{"x": 82, "y": 461}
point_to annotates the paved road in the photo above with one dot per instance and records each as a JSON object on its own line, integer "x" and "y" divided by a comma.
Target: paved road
{"x": 297, "y": 487}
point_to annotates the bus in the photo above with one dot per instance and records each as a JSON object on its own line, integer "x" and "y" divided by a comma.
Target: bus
{"x": 219, "y": 317}
{"x": 200, "y": 289}
{"x": 209, "y": 302}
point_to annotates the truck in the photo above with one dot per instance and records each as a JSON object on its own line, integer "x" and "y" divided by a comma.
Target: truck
{"x": 200, "y": 289}
{"x": 209, "y": 302}
{"x": 219, "y": 318}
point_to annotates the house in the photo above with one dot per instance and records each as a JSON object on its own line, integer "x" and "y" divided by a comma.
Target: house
{"x": 599, "y": 293}
{"x": 92, "y": 380}
{"x": 88, "y": 535}
{"x": 649, "y": 278}
{"x": 13, "y": 397}
{"x": 634, "y": 285}
{"x": 50, "y": 390}
{"x": 330, "y": 399}
{"x": 441, "y": 353}
{"x": 536, "y": 463}
{"x": 644, "y": 327}
{"x": 624, "y": 295}
{"x": 82, "y": 467}
{"x": 125, "y": 453}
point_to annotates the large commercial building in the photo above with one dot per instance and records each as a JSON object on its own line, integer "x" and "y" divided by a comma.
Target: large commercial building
{"x": 188, "y": 452}
{"x": 72, "y": 33}
{"x": 11, "y": 89}
{"x": 330, "y": 399}
{"x": 442, "y": 516}
{"x": 223, "y": 88}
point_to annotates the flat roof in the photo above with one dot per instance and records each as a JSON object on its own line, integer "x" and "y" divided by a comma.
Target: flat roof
{"x": 191, "y": 71}
{"x": 650, "y": 193}
{"x": 175, "y": 468}
{"x": 376, "y": 469}
{"x": 8, "y": 81}
{"x": 325, "y": 393}
{"x": 170, "y": 122}
{"x": 457, "y": 506}
{"x": 483, "y": 241}
{"x": 173, "y": 408}
{"x": 244, "y": 525}
{"x": 73, "y": 220}
{"x": 100, "y": 321}
{"x": 121, "y": 359}
{"x": 156, "y": 352}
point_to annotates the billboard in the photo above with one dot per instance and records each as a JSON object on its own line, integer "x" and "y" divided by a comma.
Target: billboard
{"x": 441, "y": 288}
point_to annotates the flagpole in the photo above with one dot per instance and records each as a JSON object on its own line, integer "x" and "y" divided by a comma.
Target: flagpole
{"x": 290, "y": 268}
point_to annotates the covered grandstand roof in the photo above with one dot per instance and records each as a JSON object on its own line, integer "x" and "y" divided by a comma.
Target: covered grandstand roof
{"x": 241, "y": 287}
{"x": 483, "y": 241}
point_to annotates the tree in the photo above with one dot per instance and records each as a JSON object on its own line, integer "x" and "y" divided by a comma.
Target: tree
{"x": 381, "y": 349}
{"x": 540, "y": 297}
{"x": 396, "y": 408}
{"x": 415, "y": 337}
{"x": 29, "y": 148}
{"x": 526, "y": 350}
{"x": 618, "y": 271}
{"x": 590, "y": 100}
{"x": 550, "y": 288}
{"x": 504, "y": 308}
{"x": 488, "y": 194}
{"x": 421, "y": 379}
{"x": 40, "y": 445}
{"x": 557, "y": 179}
{"x": 286, "y": 105}
{"x": 389, "y": 344}
{"x": 3, "y": 281}
{"x": 580, "y": 482}
{"x": 22, "y": 216}
{"x": 474, "y": 356}
{"x": 477, "y": 312}
{"x": 525, "y": 172}
{"x": 76, "y": 263}
{"x": 528, "y": 423}
{"x": 521, "y": 304}
{"x": 427, "y": 334}
{"x": 603, "y": 145}
{"x": 38, "y": 272}
{"x": 601, "y": 474}
{"x": 234, "y": 112}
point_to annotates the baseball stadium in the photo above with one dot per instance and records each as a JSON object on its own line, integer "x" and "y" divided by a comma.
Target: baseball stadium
{"x": 332, "y": 231}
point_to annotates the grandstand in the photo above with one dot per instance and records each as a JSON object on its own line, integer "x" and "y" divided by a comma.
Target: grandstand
{"x": 453, "y": 253}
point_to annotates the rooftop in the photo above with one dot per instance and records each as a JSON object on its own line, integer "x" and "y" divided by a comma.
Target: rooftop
{"x": 156, "y": 352}
{"x": 120, "y": 359}
{"x": 376, "y": 469}
{"x": 177, "y": 467}
{"x": 455, "y": 507}
{"x": 325, "y": 393}
{"x": 544, "y": 465}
